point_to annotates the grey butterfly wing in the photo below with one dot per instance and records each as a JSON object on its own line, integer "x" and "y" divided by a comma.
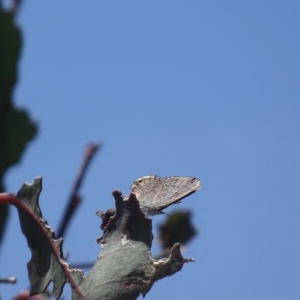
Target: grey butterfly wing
{"x": 155, "y": 193}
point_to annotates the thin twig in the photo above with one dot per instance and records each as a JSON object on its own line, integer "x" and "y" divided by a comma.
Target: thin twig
{"x": 75, "y": 199}
{"x": 8, "y": 280}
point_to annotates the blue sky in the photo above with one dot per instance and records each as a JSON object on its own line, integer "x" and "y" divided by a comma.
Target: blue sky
{"x": 209, "y": 89}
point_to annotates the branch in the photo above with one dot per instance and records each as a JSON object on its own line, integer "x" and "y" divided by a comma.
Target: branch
{"x": 12, "y": 280}
{"x": 74, "y": 198}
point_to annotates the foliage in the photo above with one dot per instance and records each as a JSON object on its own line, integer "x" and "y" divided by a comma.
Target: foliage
{"x": 16, "y": 128}
{"x": 124, "y": 268}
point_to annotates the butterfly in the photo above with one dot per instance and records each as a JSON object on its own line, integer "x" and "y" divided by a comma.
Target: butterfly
{"x": 155, "y": 193}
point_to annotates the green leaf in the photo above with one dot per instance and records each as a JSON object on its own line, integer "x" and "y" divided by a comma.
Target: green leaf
{"x": 124, "y": 268}
{"x": 10, "y": 47}
{"x": 47, "y": 262}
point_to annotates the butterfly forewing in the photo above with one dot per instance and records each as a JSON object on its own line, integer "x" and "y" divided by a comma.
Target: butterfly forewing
{"x": 178, "y": 188}
{"x": 158, "y": 193}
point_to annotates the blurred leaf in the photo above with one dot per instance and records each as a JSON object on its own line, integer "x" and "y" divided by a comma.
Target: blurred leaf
{"x": 3, "y": 217}
{"x": 178, "y": 228}
{"x": 16, "y": 129}
{"x": 10, "y": 47}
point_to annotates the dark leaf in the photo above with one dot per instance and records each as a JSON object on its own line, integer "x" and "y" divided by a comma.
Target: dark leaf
{"x": 47, "y": 262}
{"x": 178, "y": 228}
{"x": 16, "y": 129}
